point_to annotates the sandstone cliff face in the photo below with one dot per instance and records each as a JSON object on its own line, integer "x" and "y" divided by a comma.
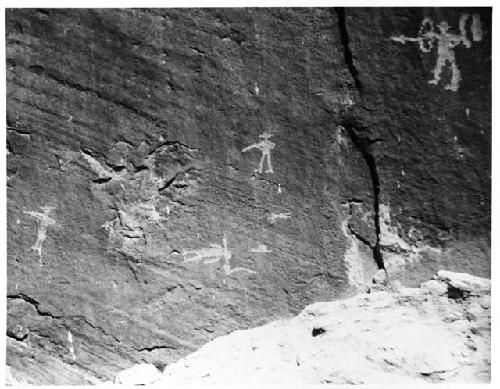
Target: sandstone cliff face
{"x": 141, "y": 224}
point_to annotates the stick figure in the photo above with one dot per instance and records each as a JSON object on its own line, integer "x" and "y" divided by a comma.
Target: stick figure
{"x": 208, "y": 255}
{"x": 214, "y": 254}
{"x": 265, "y": 146}
{"x": 44, "y": 221}
{"x": 446, "y": 43}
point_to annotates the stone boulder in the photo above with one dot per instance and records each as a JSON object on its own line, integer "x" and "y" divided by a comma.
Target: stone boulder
{"x": 404, "y": 337}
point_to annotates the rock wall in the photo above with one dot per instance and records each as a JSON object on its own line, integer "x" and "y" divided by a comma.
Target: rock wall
{"x": 426, "y": 110}
{"x": 175, "y": 174}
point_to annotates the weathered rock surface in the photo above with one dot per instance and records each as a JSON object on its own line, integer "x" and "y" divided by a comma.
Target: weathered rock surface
{"x": 410, "y": 336}
{"x": 429, "y": 143}
{"x": 138, "y": 227}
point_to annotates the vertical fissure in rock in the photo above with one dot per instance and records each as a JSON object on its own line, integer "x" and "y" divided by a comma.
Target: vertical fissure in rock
{"x": 344, "y": 38}
{"x": 364, "y": 146}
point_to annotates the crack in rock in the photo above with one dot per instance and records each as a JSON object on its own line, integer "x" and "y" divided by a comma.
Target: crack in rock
{"x": 153, "y": 348}
{"x": 361, "y": 143}
{"x": 36, "y": 305}
{"x": 339, "y": 12}
{"x": 364, "y": 146}
{"x": 17, "y": 336}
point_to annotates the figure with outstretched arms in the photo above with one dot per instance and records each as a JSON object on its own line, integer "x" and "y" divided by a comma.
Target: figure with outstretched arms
{"x": 265, "y": 146}
{"x": 446, "y": 43}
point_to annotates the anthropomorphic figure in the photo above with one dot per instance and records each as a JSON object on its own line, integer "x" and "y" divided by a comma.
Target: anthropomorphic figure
{"x": 265, "y": 146}
{"x": 214, "y": 254}
{"x": 446, "y": 43}
{"x": 208, "y": 255}
{"x": 44, "y": 221}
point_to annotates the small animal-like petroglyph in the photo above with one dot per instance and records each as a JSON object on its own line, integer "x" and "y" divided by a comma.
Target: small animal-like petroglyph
{"x": 265, "y": 146}
{"x": 446, "y": 43}
{"x": 261, "y": 248}
{"x": 44, "y": 221}
{"x": 214, "y": 254}
{"x": 275, "y": 216}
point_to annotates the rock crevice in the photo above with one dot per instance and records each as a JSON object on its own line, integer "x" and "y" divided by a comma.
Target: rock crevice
{"x": 364, "y": 146}
{"x": 339, "y": 14}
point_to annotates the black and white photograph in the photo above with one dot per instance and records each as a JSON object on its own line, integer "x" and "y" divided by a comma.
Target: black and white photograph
{"x": 247, "y": 195}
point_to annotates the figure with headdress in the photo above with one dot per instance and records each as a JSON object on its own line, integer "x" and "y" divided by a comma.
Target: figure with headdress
{"x": 265, "y": 146}
{"x": 446, "y": 41}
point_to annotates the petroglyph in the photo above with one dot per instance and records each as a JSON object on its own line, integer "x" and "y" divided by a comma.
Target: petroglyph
{"x": 214, "y": 254}
{"x": 208, "y": 255}
{"x": 446, "y": 43}
{"x": 71, "y": 348}
{"x": 44, "y": 221}
{"x": 265, "y": 146}
{"x": 275, "y": 216}
{"x": 476, "y": 28}
{"x": 261, "y": 248}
